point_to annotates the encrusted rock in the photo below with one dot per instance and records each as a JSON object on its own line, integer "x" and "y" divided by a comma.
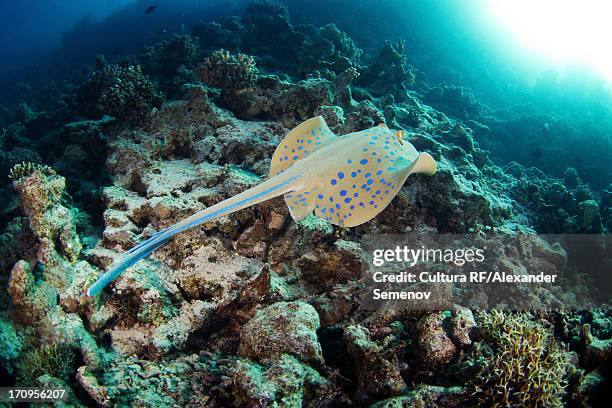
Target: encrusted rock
{"x": 376, "y": 363}
{"x": 461, "y": 323}
{"x": 284, "y": 327}
{"x": 435, "y": 348}
{"x": 425, "y": 396}
{"x": 284, "y": 382}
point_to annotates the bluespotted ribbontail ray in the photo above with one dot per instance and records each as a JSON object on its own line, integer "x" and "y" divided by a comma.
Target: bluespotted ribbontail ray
{"x": 347, "y": 180}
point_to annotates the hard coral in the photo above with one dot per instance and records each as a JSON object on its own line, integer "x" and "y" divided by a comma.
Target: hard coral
{"x": 25, "y": 169}
{"x": 259, "y": 8}
{"x": 285, "y": 382}
{"x": 165, "y": 57}
{"x": 228, "y": 72}
{"x": 53, "y": 359}
{"x": 390, "y": 72}
{"x": 284, "y": 327}
{"x": 554, "y": 207}
{"x": 120, "y": 91}
{"x": 528, "y": 368}
{"x": 326, "y": 50}
{"x": 15, "y": 156}
{"x": 376, "y": 363}
{"x": 40, "y": 190}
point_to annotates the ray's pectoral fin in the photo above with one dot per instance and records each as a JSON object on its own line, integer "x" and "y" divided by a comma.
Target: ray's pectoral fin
{"x": 361, "y": 191}
{"x": 301, "y": 203}
{"x": 424, "y": 164}
{"x": 305, "y": 138}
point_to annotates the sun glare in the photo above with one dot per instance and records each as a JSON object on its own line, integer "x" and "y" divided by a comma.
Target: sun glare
{"x": 560, "y": 31}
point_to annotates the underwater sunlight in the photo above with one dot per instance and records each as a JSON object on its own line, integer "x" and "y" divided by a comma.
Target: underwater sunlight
{"x": 561, "y": 32}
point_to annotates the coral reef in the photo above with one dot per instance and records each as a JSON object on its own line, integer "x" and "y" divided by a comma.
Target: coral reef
{"x": 253, "y": 309}
{"x": 281, "y": 47}
{"x": 228, "y": 72}
{"x": 165, "y": 58}
{"x": 52, "y": 359}
{"x": 389, "y": 73}
{"x": 12, "y": 346}
{"x": 282, "y": 328}
{"x": 454, "y": 100}
{"x": 556, "y": 206}
{"x": 521, "y": 344}
{"x": 376, "y": 363}
{"x": 123, "y": 92}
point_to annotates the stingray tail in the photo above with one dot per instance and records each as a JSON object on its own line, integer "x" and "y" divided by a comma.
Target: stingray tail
{"x": 134, "y": 255}
{"x": 270, "y": 188}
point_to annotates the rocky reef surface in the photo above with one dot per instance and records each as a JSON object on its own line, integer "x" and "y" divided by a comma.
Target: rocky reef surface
{"x": 254, "y": 309}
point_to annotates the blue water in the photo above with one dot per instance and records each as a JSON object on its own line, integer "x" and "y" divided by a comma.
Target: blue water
{"x": 534, "y": 109}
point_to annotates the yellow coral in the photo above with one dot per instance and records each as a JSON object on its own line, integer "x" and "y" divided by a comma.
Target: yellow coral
{"x": 53, "y": 359}
{"x": 25, "y": 169}
{"x": 529, "y": 366}
{"x": 227, "y": 71}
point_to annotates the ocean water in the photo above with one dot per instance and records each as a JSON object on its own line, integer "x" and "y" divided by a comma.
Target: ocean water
{"x": 119, "y": 118}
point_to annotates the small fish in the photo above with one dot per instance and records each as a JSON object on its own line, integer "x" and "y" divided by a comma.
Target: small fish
{"x": 180, "y": 15}
{"x": 347, "y": 180}
{"x": 537, "y": 153}
{"x": 150, "y": 9}
{"x": 161, "y": 31}
{"x": 545, "y": 127}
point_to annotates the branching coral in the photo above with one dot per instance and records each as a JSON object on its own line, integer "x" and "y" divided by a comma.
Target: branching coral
{"x": 165, "y": 57}
{"x": 15, "y": 156}
{"x": 228, "y": 72}
{"x": 528, "y": 368}
{"x": 130, "y": 97}
{"x": 126, "y": 309}
{"x": 25, "y": 169}
{"x": 120, "y": 91}
{"x": 53, "y": 359}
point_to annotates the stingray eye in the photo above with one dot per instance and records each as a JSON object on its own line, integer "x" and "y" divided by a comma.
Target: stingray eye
{"x": 400, "y": 136}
